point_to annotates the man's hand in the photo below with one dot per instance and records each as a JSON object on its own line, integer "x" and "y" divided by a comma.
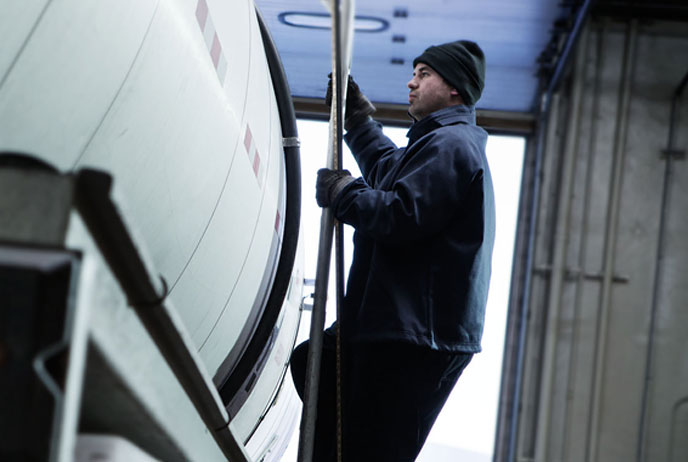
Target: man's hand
{"x": 358, "y": 107}
{"x": 329, "y": 184}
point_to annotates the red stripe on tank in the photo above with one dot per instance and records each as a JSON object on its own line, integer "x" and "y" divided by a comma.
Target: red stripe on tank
{"x": 256, "y": 164}
{"x": 202, "y": 13}
{"x": 215, "y": 50}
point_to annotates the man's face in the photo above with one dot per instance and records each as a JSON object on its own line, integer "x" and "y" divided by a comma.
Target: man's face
{"x": 429, "y": 92}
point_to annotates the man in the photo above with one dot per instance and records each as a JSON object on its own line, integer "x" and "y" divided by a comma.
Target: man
{"x": 424, "y": 230}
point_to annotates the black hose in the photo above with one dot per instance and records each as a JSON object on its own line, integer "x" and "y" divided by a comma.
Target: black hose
{"x": 261, "y": 340}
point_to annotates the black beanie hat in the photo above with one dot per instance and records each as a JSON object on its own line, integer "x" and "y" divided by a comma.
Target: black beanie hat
{"x": 461, "y": 64}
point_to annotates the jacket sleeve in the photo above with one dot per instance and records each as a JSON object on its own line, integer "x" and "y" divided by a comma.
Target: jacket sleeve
{"x": 372, "y": 149}
{"x": 427, "y": 193}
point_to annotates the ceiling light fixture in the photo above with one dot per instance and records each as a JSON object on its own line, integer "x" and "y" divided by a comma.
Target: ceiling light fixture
{"x": 310, "y": 20}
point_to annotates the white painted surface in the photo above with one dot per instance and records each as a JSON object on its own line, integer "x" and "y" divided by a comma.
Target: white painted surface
{"x": 162, "y": 95}
{"x": 108, "y": 448}
{"x": 132, "y": 89}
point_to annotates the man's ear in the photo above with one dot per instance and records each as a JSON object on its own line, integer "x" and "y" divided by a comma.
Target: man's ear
{"x": 456, "y": 96}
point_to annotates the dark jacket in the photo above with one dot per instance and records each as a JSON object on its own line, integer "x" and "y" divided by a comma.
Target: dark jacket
{"x": 424, "y": 221}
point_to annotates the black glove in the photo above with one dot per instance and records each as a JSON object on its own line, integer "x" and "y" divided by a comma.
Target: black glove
{"x": 329, "y": 184}
{"x": 358, "y": 107}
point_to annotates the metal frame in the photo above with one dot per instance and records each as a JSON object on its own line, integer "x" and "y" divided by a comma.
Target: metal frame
{"x": 146, "y": 294}
{"x": 396, "y": 115}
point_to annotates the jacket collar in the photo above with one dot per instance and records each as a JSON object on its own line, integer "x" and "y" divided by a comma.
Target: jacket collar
{"x": 448, "y": 116}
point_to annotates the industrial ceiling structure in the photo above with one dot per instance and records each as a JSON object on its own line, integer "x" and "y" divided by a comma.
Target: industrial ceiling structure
{"x": 390, "y": 34}
{"x": 525, "y": 44}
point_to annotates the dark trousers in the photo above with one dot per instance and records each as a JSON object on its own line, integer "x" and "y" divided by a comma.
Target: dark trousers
{"x": 393, "y": 392}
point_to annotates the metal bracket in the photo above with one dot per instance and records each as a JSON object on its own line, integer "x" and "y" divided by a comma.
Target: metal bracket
{"x": 542, "y": 270}
{"x": 291, "y": 142}
{"x": 574, "y": 273}
{"x": 676, "y": 154}
{"x": 43, "y": 336}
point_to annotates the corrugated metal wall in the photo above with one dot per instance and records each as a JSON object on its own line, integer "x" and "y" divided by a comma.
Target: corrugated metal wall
{"x": 605, "y": 374}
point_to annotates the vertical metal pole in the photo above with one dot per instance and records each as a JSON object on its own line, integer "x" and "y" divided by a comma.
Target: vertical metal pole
{"x": 611, "y": 234}
{"x": 582, "y": 264}
{"x": 559, "y": 257}
{"x": 341, "y": 59}
{"x": 339, "y": 227}
{"x": 309, "y": 413}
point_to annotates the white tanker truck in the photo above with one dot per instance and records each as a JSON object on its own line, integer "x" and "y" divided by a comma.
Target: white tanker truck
{"x": 150, "y": 279}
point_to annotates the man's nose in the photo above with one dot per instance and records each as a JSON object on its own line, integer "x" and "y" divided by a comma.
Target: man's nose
{"x": 412, "y": 84}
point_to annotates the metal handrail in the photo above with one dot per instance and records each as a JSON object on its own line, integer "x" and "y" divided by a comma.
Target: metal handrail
{"x": 146, "y": 294}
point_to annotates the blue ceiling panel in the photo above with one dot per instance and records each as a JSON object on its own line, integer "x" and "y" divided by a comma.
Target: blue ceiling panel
{"x": 390, "y": 34}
